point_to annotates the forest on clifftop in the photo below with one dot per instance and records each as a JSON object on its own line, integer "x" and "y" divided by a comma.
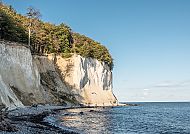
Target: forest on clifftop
{"x": 48, "y": 38}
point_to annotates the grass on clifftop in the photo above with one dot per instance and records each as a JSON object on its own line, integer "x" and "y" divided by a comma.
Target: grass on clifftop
{"x": 49, "y": 38}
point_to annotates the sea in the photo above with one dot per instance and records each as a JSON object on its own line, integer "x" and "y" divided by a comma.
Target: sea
{"x": 145, "y": 118}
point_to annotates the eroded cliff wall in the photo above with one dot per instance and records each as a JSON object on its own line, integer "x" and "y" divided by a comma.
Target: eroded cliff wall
{"x": 88, "y": 79}
{"x": 27, "y": 79}
{"x": 19, "y": 77}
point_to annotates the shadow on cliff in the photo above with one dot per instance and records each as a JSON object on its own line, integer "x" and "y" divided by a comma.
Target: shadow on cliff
{"x": 57, "y": 91}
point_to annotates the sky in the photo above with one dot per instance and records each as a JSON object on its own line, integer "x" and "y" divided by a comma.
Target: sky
{"x": 148, "y": 39}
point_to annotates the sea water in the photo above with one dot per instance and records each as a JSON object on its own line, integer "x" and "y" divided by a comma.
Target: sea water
{"x": 146, "y": 118}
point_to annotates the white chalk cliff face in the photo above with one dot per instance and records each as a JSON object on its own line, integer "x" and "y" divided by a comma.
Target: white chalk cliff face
{"x": 18, "y": 75}
{"x": 90, "y": 80}
{"x": 27, "y": 79}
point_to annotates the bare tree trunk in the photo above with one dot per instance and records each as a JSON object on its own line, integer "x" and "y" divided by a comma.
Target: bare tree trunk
{"x": 29, "y": 34}
{"x": 38, "y": 49}
{"x": 42, "y": 49}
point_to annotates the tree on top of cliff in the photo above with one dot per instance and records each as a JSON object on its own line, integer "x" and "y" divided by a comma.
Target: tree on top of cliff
{"x": 87, "y": 47}
{"x": 33, "y": 16}
{"x": 10, "y": 29}
{"x": 47, "y": 37}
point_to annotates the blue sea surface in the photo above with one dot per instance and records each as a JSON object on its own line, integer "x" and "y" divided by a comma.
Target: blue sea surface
{"x": 146, "y": 118}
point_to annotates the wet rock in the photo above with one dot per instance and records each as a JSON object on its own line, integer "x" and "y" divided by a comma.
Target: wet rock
{"x": 66, "y": 114}
{"x": 30, "y": 120}
{"x": 34, "y": 105}
{"x": 91, "y": 111}
{"x": 81, "y": 113}
{"x": 132, "y": 104}
{"x": 5, "y": 124}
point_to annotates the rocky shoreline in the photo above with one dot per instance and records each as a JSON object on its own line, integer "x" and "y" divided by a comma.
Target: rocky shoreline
{"x": 30, "y": 120}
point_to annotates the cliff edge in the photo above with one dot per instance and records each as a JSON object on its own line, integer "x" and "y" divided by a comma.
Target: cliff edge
{"x": 27, "y": 79}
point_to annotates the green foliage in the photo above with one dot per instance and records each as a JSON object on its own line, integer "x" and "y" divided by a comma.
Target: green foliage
{"x": 66, "y": 55}
{"x": 49, "y": 38}
{"x": 11, "y": 30}
{"x": 87, "y": 47}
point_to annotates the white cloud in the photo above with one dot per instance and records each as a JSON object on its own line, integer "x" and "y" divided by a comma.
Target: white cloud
{"x": 172, "y": 84}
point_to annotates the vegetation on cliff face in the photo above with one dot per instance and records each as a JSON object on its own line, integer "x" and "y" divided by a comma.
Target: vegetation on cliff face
{"x": 49, "y": 38}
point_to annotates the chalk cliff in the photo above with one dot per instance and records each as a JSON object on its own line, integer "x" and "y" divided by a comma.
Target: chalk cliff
{"x": 27, "y": 79}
